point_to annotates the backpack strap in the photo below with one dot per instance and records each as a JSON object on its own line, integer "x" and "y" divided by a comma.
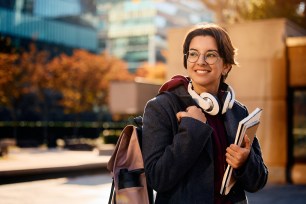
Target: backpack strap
{"x": 138, "y": 121}
{"x": 112, "y": 192}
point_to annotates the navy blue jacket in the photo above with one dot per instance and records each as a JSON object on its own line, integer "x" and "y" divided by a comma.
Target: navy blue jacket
{"x": 178, "y": 157}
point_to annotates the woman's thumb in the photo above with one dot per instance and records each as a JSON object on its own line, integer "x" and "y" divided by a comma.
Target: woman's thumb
{"x": 247, "y": 142}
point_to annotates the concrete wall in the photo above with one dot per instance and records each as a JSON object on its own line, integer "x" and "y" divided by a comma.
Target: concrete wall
{"x": 130, "y": 97}
{"x": 260, "y": 80}
{"x": 122, "y": 97}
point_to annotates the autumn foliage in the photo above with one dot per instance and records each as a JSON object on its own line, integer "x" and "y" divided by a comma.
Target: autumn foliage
{"x": 8, "y": 74}
{"x": 151, "y": 72}
{"x": 82, "y": 79}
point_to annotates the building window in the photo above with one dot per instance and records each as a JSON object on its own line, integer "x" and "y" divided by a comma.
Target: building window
{"x": 299, "y": 125}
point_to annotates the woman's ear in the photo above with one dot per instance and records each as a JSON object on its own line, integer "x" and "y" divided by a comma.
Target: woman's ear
{"x": 226, "y": 69}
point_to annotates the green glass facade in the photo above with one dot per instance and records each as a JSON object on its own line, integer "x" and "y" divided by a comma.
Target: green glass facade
{"x": 55, "y": 22}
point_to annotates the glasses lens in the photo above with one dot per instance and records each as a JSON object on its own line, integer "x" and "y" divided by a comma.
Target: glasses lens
{"x": 211, "y": 57}
{"x": 193, "y": 56}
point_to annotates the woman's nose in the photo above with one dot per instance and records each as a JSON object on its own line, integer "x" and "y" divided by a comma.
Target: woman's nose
{"x": 201, "y": 60}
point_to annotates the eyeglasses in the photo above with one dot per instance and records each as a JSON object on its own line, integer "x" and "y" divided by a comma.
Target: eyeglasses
{"x": 210, "y": 57}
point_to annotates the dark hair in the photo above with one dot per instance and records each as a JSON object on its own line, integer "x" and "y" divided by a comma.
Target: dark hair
{"x": 225, "y": 46}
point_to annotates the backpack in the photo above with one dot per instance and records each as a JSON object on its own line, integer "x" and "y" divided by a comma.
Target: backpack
{"x": 127, "y": 168}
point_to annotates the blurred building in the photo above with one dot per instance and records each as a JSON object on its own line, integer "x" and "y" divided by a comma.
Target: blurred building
{"x": 136, "y": 30}
{"x": 57, "y": 25}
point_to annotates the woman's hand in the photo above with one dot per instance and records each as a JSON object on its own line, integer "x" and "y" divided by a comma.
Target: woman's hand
{"x": 236, "y": 156}
{"x": 193, "y": 112}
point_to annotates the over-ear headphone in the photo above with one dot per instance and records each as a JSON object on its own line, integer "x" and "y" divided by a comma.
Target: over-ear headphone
{"x": 209, "y": 103}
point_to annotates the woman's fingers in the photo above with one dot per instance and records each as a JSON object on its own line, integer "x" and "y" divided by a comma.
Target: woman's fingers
{"x": 193, "y": 112}
{"x": 180, "y": 114}
{"x": 237, "y": 156}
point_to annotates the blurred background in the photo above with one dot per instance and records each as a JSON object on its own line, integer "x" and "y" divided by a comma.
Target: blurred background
{"x": 73, "y": 73}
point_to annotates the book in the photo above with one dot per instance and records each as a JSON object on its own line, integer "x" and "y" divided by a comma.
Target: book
{"x": 247, "y": 126}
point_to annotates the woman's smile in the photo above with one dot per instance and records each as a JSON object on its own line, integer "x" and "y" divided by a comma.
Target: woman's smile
{"x": 202, "y": 71}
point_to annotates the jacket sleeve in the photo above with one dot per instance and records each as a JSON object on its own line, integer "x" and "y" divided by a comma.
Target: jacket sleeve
{"x": 170, "y": 149}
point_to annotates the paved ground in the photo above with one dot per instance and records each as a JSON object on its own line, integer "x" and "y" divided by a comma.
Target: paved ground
{"x": 42, "y": 158}
{"x": 279, "y": 194}
{"x": 92, "y": 188}
{"x": 95, "y": 189}
{"x": 38, "y": 163}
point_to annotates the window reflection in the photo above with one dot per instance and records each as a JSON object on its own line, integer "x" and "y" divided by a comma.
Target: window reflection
{"x": 299, "y": 125}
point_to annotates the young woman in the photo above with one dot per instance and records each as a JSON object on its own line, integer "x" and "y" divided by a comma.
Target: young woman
{"x": 190, "y": 127}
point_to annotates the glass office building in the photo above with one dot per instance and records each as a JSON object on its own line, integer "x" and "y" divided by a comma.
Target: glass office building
{"x": 52, "y": 25}
{"x": 136, "y": 30}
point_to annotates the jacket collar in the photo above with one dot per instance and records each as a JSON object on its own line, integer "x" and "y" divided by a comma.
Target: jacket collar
{"x": 178, "y": 85}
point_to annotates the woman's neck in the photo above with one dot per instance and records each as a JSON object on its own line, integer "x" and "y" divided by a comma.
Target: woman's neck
{"x": 207, "y": 89}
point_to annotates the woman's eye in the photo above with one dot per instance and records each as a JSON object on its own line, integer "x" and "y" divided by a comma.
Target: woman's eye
{"x": 210, "y": 55}
{"x": 193, "y": 54}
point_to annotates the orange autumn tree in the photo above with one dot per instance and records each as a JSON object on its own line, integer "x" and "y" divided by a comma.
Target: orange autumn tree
{"x": 33, "y": 65}
{"x": 118, "y": 71}
{"x": 151, "y": 72}
{"x": 10, "y": 89}
{"x": 21, "y": 74}
{"x": 83, "y": 79}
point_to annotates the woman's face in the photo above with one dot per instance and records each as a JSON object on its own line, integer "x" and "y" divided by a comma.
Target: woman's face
{"x": 205, "y": 77}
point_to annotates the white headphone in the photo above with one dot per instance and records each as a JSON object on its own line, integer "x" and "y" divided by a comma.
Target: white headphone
{"x": 209, "y": 103}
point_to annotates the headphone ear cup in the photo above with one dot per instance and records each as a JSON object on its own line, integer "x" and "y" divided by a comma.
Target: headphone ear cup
{"x": 213, "y": 108}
